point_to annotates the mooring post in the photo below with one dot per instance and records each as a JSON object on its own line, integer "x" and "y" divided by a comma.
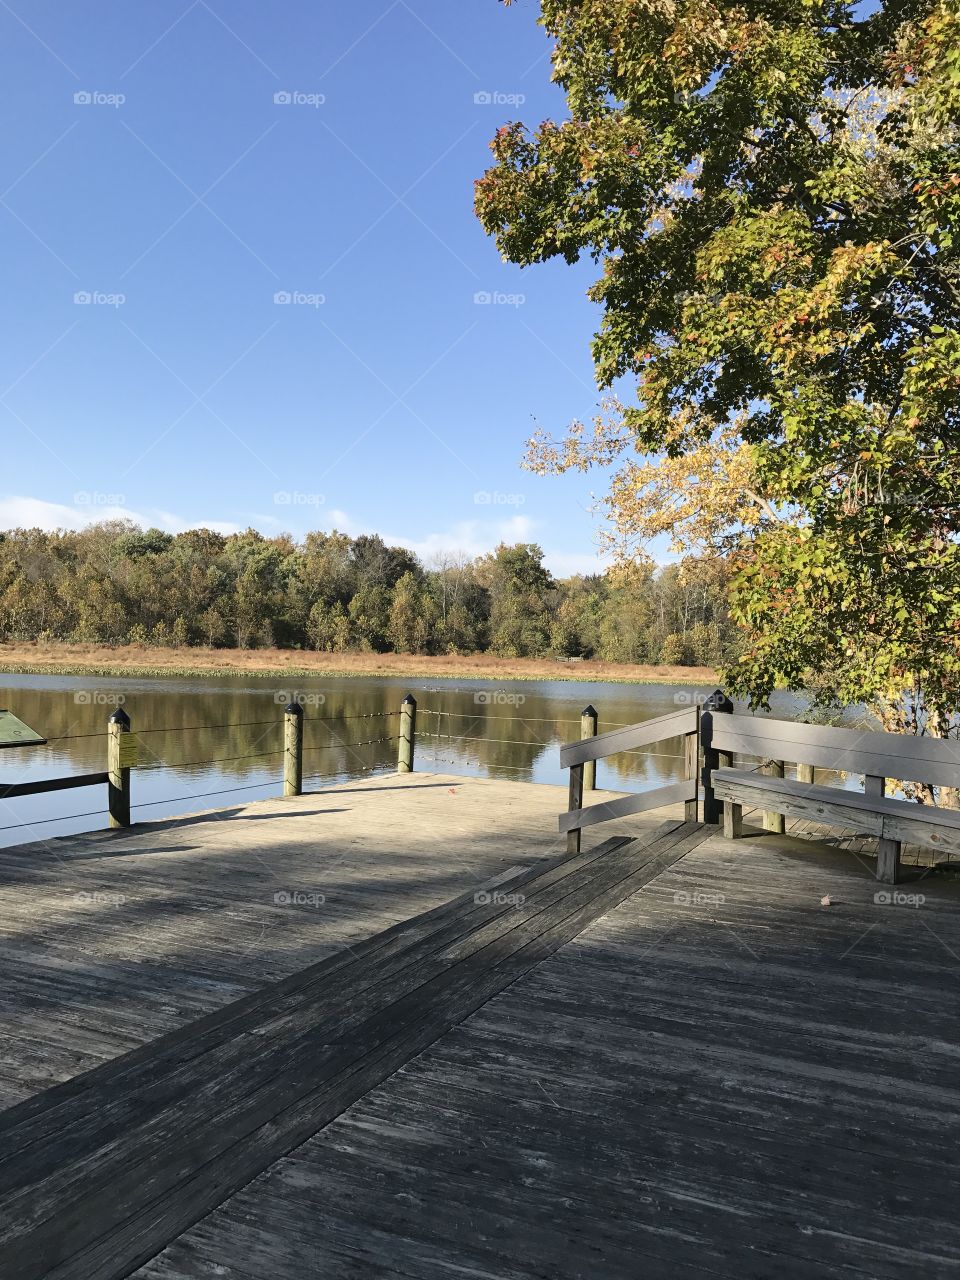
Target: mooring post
{"x": 408, "y": 734}
{"x": 588, "y": 729}
{"x": 717, "y": 704}
{"x": 293, "y": 749}
{"x": 118, "y": 768}
{"x": 691, "y": 769}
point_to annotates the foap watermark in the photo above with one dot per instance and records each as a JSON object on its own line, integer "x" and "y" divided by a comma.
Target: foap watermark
{"x": 294, "y": 498}
{"x": 484, "y": 298}
{"x": 98, "y": 698}
{"x": 298, "y": 98}
{"x": 894, "y": 898}
{"x": 97, "y": 98}
{"x": 99, "y": 899}
{"x": 689, "y": 698}
{"x": 93, "y": 498}
{"x": 283, "y": 699}
{"x": 95, "y": 298}
{"x": 686, "y": 898}
{"x": 498, "y": 698}
{"x": 299, "y": 898}
{"x": 493, "y": 897}
{"x": 297, "y": 298}
{"x": 494, "y": 498}
{"x": 497, "y": 98}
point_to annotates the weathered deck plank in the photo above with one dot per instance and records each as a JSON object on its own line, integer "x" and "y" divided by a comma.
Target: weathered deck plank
{"x": 745, "y": 1084}
{"x": 110, "y": 940}
{"x": 720, "y": 1077}
{"x": 103, "y": 1176}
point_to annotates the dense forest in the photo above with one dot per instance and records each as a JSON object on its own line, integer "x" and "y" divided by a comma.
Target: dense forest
{"x": 117, "y": 584}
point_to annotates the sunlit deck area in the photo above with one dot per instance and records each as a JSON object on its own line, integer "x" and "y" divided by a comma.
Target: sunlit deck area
{"x": 394, "y": 1029}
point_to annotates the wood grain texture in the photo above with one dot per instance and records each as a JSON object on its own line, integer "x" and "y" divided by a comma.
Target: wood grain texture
{"x": 721, "y": 1077}
{"x": 111, "y": 939}
{"x": 606, "y": 810}
{"x": 102, "y": 1177}
{"x": 673, "y": 725}
{"x": 892, "y": 755}
{"x": 884, "y": 817}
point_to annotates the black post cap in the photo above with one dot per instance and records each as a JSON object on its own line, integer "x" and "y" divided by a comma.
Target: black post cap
{"x": 589, "y": 710}
{"x": 293, "y": 709}
{"x": 717, "y": 701}
{"x": 120, "y": 717}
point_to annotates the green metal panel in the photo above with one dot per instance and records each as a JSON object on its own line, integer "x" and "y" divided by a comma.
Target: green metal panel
{"x": 14, "y": 733}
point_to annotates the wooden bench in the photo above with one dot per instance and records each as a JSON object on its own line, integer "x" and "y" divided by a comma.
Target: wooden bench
{"x": 875, "y": 756}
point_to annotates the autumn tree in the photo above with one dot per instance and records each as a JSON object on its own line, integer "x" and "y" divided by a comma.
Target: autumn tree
{"x": 518, "y": 584}
{"x": 772, "y": 195}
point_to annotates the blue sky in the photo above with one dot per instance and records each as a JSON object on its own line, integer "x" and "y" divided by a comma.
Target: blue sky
{"x": 149, "y": 166}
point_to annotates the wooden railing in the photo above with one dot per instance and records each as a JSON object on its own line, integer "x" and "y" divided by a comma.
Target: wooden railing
{"x": 577, "y": 755}
{"x": 714, "y": 735}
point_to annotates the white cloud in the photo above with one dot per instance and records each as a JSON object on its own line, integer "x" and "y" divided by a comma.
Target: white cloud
{"x": 18, "y": 512}
{"x": 564, "y": 564}
{"x": 475, "y": 538}
{"x": 470, "y": 538}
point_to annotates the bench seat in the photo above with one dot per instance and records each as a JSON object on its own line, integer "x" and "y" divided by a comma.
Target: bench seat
{"x": 893, "y": 822}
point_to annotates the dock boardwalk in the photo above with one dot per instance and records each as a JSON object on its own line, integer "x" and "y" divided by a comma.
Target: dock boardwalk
{"x": 111, "y": 939}
{"x": 671, "y": 1055}
{"x": 101, "y": 1173}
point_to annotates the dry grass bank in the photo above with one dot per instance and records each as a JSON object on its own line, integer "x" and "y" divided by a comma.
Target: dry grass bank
{"x": 70, "y": 659}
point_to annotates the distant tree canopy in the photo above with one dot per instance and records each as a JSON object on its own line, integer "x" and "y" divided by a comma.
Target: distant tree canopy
{"x": 114, "y": 584}
{"x": 773, "y": 191}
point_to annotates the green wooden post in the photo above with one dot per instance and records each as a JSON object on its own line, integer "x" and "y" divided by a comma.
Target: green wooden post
{"x": 293, "y": 749}
{"x": 118, "y": 784}
{"x": 588, "y": 729}
{"x": 408, "y": 734}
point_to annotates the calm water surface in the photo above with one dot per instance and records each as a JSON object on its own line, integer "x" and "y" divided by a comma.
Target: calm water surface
{"x": 208, "y": 743}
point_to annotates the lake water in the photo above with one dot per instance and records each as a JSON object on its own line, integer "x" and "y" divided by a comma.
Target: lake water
{"x": 207, "y": 743}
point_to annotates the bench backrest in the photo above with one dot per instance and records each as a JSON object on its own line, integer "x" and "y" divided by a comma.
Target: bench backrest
{"x": 884, "y": 755}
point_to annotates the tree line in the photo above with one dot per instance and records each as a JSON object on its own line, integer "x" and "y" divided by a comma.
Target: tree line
{"x": 115, "y": 583}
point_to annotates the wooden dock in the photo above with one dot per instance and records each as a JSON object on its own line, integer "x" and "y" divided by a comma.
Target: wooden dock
{"x": 395, "y": 1029}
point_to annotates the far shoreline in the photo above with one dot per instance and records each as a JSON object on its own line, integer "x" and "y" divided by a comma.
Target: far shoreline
{"x": 145, "y": 662}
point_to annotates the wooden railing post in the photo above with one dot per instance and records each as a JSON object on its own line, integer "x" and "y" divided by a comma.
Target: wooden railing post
{"x": 772, "y": 821}
{"x": 408, "y": 734}
{"x": 691, "y": 769}
{"x": 293, "y": 749}
{"x": 717, "y": 704}
{"x": 805, "y": 773}
{"x": 574, "y": 802}
{"x": 588, "y": 729}
{"x": 888, "y": 851}
{"x": 118, "y": 769}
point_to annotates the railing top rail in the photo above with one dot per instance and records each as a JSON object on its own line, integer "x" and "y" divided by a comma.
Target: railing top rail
{"x": 674, "y": 725}
{"x": 42, "y": 785}
{"x": 865, "y": 751}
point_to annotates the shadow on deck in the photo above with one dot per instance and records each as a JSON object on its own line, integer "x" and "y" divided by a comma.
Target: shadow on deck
{"x": 674, "y": 1055}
